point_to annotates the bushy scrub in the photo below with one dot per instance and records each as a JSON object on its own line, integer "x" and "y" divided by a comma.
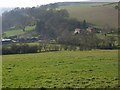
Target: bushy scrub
{"x": 7, "y": 51}
{"x": 18, "y": 49}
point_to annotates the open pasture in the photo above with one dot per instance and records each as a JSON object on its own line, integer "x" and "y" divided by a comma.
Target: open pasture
{"x": 62, "y": 69}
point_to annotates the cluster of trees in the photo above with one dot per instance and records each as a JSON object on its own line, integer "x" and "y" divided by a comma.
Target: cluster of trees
{"x": 87, "y": 41}
{"x": 53, "y": 23}
{"x": 49, "y": 19}
{"x": 16, "y": 19}
{"x": 21, "y": 17}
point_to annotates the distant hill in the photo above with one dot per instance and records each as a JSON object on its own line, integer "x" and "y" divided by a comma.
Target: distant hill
{"x": 98, "y": 13}
{"x": 102, "y": 14}
{"x": 78, "y": 3}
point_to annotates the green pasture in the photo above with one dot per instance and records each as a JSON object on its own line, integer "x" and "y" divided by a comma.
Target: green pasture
{"x": 19, "y": 31}
{"x": 62, "y": 69}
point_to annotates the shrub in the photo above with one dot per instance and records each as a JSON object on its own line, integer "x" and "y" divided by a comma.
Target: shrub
{"x": 65, "y": 47}
{"x": 33, "y": 49}
{"x": 25, "y": 48}
{"x": 15, "y": 48}
{"x": 56, "y": 48}
{"x": 40, "y": 47}
{"x": 53, "y": 48}
{"x": 60, "y": 47}
{"x": 70, "y": 48}
{"x": 6, "y": 51}
{"x": 44, "y": 47}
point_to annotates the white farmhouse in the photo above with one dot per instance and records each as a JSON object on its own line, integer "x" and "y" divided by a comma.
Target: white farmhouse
{"x": 77, "y": 31}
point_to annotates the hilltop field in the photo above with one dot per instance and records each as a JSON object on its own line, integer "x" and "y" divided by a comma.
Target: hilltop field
{"x": 97, "y": 13}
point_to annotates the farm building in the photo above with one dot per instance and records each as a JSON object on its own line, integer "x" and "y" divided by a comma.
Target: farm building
{"x": 7, "y": 41}
{"x": 77, "y": 31}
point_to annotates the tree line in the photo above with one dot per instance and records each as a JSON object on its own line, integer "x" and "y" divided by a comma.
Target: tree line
{"x": 68, "y": 45}
{"x": 26, "y": 48}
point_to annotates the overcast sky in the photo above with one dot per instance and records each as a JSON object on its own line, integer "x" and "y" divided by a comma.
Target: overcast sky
{"x": 31, "y": 3}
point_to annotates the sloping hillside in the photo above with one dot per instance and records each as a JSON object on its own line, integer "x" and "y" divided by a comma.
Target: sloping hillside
{"x": 101, "y": 14}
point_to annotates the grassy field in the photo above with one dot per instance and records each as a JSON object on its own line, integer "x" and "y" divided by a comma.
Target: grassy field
{"x": 19, "y": 31}
{"x": 94, "y": 13}
{"x": 63, "y": 69}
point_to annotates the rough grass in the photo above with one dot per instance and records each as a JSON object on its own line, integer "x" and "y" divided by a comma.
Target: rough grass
{"x": 65, "y": 69}
{"x": 94, "y": 13}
